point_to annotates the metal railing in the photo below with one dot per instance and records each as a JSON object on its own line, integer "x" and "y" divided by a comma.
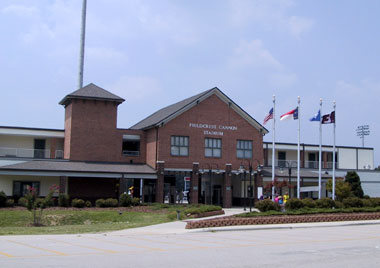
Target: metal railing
{"x": 28, "y": 153}
{"x": 131, "y": 153}
{"x": 307, "y": 164}
{"x": 59, "y": 154}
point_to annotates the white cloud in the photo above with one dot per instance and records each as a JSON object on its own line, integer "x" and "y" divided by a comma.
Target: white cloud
{"x": 253, "y": 54}
{"x": 136, "y": 88}
{"x": 298, "y": 25}
{"x": 21, "y": 10}
{"x": 270, "y": 14}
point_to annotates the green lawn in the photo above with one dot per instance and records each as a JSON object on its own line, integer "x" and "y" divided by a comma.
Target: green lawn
{"x": 72, "y": 221}
{"x": 76, "y": 221}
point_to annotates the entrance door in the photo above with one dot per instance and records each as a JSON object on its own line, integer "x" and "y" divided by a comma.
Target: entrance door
{"x": 217, "y": 195}
{"x": 39, "y": 148}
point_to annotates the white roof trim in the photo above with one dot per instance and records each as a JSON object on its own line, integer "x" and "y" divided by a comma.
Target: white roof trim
{"x": 32, "y": 132}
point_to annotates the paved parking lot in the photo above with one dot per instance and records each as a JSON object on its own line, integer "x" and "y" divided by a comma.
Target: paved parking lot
{"x": 348, "y": 246}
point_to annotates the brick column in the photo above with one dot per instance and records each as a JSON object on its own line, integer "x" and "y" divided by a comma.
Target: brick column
{"x": 53, "y": 147}
{"x": 227, "y": 191}
{"x": 194, "y": 184}
{"x": 160, "y": 182}
{"x": 62, "y": 185}
{"x": 302, "y": 159}
{"x": 324, "y": 158}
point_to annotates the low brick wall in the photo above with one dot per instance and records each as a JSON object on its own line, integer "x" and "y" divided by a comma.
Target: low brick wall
{"x": 282, "y": 219}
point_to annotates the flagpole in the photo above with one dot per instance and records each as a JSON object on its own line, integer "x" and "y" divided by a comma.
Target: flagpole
{"x": 320, "y": 152}
{"x": 298, "y": 148}
{"x": 273, "y": 144}
{"x": 333, "y": 180}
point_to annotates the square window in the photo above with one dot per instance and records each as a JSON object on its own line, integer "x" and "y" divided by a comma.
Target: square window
{"x": 179, "y": 146}
{"x": 244, "y": 149}
{"x": 213, "y": 147}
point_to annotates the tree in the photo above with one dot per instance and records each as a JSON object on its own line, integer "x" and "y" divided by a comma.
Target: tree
{"x": 342, "y": 188}
{"x": 354, "y": 180}
{"x": 36, "y": 205}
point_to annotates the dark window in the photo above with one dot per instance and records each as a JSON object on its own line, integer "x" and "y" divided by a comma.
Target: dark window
{"x": 179, "y": 146}
{"x": 39, "y": 148}
{"x": 131, "y": 145}
{"x": 20, "y": 188}
{"x": 281, "y": 159}
{"x": 213, "y": 147}
{"x": 244, "y": 149}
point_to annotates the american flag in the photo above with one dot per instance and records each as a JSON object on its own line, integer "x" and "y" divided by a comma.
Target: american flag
{"x": 268, "y": 117}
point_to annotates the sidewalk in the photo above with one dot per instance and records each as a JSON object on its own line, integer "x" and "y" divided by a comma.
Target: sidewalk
{"x": 178, "y": 227}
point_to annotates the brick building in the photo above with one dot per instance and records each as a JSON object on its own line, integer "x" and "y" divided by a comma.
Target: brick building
{"x": 205, "y": 145}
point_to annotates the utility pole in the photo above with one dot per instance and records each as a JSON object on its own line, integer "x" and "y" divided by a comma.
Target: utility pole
{"x": 82, "y": 41}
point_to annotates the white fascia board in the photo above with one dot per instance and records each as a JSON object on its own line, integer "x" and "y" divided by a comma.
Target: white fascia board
{"x": 77, "y": 174}
{"x": 32, "y": 132}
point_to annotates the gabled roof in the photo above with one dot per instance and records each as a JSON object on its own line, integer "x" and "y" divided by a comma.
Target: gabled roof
{"x": 172, "y": 111}
{"x": 91, "y": 92}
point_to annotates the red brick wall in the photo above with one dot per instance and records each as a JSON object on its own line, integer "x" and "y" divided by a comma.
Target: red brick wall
{"x": 67, "y": 142}
{"x": 151, "y": 146}
{"x": 136, "y": 159}
{"x": 91, "y": 134}
{"x": 211, "y": 111}
{"x": 90, "y": 131}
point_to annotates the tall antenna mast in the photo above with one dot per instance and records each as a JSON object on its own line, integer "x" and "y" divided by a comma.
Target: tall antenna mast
{"x": 82, "y": 39}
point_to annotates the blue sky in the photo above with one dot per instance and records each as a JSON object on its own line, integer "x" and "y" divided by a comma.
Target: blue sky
{"x": 155, "y": 53}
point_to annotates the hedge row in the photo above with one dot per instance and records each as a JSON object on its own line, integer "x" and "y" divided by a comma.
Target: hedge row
{"x": 64, "y": 201}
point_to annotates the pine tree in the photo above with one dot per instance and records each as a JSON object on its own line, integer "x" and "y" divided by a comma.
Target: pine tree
{"x": 353, "y": 178}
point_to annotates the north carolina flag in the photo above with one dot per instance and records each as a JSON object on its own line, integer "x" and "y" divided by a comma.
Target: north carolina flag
{"x": 289, "y": 115}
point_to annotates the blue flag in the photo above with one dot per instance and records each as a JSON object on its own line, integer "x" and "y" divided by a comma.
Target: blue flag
{"x": 317, "y": 117}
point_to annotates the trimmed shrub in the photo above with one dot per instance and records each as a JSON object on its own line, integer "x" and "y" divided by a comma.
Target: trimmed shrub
{"x": 10, "y": 203}
{"x": 125, "y": 200}
{"x": 266, "y": 205}
{"x": 100, "y": 203}
{"x": 294, "y": 203}
{"x": 367, "y": 203}
{"x": 3, "y": 199}
{"x": 23, "y": 202}
{"x": 308, "y": 203}
{"x": 88, "y": 204}
{"x": 64, "y": 200}
{"x": 135, "y": 201}
{"x": 110, "y": 202}
{"x": 375, "y": 201}
{"x": 325, "y": 203}
{"x": 353, "y": 202}
{"x": 339, "y": 204}
{"x": 78, "y": 203}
